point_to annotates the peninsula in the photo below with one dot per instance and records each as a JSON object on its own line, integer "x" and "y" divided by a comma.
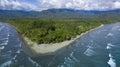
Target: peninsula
{"x": 53, "y": 47}
{"x": 46, "y": 36}
{"x": 48, "y": 31}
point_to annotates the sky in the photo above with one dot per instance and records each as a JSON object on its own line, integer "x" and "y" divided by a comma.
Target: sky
{"x": 39, "y": 5}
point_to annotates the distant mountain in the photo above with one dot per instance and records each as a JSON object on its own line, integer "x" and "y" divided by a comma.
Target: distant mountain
{"x": 59, "y": 14}
{"x": 16, "y": 14}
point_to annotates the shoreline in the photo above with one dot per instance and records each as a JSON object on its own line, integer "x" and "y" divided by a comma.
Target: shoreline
{"x": 48, "y": 49}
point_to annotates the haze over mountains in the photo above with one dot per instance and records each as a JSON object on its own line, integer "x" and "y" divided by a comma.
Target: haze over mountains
{"x": 60, "y": 14}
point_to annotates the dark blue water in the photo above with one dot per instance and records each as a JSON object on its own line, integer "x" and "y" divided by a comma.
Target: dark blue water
{"x": 99, "y": 48}
{"x": 11, "y": 52}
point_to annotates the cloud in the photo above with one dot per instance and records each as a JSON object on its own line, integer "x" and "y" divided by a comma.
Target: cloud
{"x": 117, "y": 4}
{"x": 16, "y": 5}
{"x": 81, "y": 4}
{"x": 48, "y": 4}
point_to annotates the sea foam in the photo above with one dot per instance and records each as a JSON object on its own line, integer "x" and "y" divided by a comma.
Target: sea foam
{"x": 2, "y": 47}
{"x": 6, "y": 64}
{"x": 111, "y": 61}
{"x": 89, "y": 52}
{"x": 33, "y": 62}
{"x": 4, "y": 43}
{"x": 109, "y": 34}
{"x": 109, "y": 46}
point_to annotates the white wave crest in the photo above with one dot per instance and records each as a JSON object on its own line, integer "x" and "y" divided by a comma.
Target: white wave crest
{"x": 109, "y": 46}
{"x": 111, "y": 61}
{"x": 14, "y": 57}
{"x": 4, "y": 43}
{"x": 89, "y": 52}
{"x": 69, "y": 61}
{"x": 2, "y": 47}
{"x": 33, "y": 62}
{"x": 73, "y": 57}
{"x": 115, "y": 27}
{"x": 4, "y": 39}
{"x": 109, "y": 34}
{"x": 6, "y": 64}
{"x": 8, "y": 35}
{"x": 1, "y": 27}
{"x": 18, "y": 51}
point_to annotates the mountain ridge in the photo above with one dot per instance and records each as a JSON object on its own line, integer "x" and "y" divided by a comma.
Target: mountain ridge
{"x": 59, "y": 14}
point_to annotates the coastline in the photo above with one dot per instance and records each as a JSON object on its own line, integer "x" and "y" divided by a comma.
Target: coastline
{"x": 47, "y": 49}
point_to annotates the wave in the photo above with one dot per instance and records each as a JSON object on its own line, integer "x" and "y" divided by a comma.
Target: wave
{"x": 111, "y": 61}
{"x": 14, "y": 57}
{"x": 18, "y": 51}
{"x": 2, "y": 47}
{"x": 33, "y": 62}
{"x": 118, "y": 29}
{"x": 73, "y": 57}
{"x": 109, "y": 46}
{"x": 1, "y": 27}
{"x": 5, "y": 42}
{"x": 20, "y": 45}
{"x": 109, "y": 34}
{"x": 89, "y": 52}
{"x": 6, "y": 64}
{"x": 4, "y": 39}
{"x": 115, "y": 27}
{"x": 69, "y": 61}
{"x": 8, "y": 35}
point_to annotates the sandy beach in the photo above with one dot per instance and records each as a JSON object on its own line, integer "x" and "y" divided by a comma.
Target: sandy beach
{"x": 52, "y": 48}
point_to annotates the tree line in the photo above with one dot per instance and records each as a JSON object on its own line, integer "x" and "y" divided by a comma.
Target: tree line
{"x": 54, "y": 30}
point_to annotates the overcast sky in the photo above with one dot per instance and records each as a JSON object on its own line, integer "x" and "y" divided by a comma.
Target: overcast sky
{"x": 39, "y": 5}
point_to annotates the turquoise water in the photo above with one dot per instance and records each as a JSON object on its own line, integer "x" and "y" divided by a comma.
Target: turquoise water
{"x": 99, "y": 48}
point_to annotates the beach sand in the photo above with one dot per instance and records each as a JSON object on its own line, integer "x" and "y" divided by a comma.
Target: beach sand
{"x": 51, "y": 48}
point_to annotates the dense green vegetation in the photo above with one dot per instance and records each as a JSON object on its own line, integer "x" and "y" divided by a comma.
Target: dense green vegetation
{"x": 52, "y": 31}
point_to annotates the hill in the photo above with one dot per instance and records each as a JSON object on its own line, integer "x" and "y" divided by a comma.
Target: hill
{"x": 60, "y": 14}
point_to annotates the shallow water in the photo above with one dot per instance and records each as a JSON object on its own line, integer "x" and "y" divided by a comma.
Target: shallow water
{"x": 99, "y": 48}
